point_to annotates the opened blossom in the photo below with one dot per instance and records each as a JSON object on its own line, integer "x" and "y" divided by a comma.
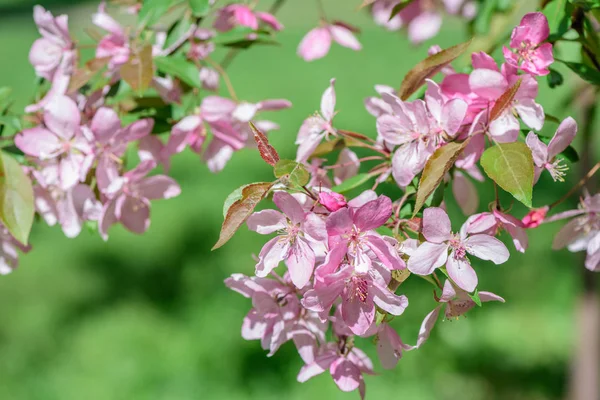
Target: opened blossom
{"x": 129, "y": 198}
{"x": 277, "y": 316}
{"x": 9, "y": 251}
{"x": 60, "y": 138}
{"x": 492, "y": 223}
{"x": 345, "y": 363}
{"x": 300, "y": 232}
{"x": 545, "y": 156}
{"x": 531, "y": 52}
{"x": 234, "y": 15}
{"x": 115, "y": 45}
{"x": 433, "y": 253}
{"x": 582, "y": 233}
{"x": 317, "y": 42}
{"x": 317, "y": 127}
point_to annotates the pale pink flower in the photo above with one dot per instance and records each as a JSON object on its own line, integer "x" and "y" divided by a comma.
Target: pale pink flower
{"x": 317, "y": 42}
{"x": 376, "y": 106}
{"x": 433, "y": 253}
{"x": 491, "y": 223}
{"x": 360, "y": 293}
{"x": 546, "y": 156}
{"x": 531, "y": 54}
{"x": 129, "y": 198}
{"x": 47, "y": 53}
{"x": 277, "y": 316}
{"x": 201, "y": 44}
{"x": 489, "y": 83}
{"x": 293, "y": 245}
{"x": 60, "y": 138}
{"x": 318, "y": 126}
{"x": 457, "y": 302}
{"x": 582, "y": 233}
{"x": 115, "y": 45}
{"x": 464, "y": 191}
{"x": 346, "y": 167}
{"x": 345, "y": 364}
{"x": 110, "y": 142}
{"x": 234, "y": 15}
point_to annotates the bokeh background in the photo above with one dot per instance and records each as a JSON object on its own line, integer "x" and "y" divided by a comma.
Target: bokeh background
{"x": 148, "y": 317}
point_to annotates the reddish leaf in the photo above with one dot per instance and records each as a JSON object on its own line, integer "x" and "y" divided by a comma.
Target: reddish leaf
{"x": 83, "y": 75}
{"x": 139, "y": 70}
{"x": 429, "y": 67}
{"x": 267, "y": 152}
{"x": 505, "y": 100}
{"x": 243, "y": 201}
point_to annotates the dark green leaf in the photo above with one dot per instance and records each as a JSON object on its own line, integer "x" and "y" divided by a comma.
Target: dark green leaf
{"x": 152, "y": 11}
{"x": 200, "y": 8}
{"x": 585, "y": 72}
{"x": 398, "y": 8}
{"x": 475, "y": 297}
{"x": 554, "y": 78}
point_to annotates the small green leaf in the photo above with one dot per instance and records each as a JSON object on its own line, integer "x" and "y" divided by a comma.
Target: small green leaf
{"x": 200, "y": 8}
{"x": 241, "y": 208}
{"x": 180, "y": 68}
{"x": 510, "y": 165}
{"x": 292, "y": 171}
{"x": 16, "y": 198}
{"x": 558, "y": 13}
{"x": 152, "y": 11}
{"x": 585, "y": 72}
{"x": 437, "y": 166}
{"x": 398, "y": 8}
{"x": 351, "y": 183}
{"x": 484, "y": 16}
{"x": 475, "y": 297}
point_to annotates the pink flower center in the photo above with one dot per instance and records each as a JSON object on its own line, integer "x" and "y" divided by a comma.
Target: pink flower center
{"x": 358, "y": 287}
{"x": 455, "y": 243}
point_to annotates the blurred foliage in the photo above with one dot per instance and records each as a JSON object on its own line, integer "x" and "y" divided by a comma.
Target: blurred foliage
{"x": 149, "y": 317}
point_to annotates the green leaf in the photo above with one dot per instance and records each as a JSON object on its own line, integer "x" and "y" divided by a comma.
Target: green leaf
{"x": 585, "y": 72}
{"x": 16, "y": 198}
{"x": 554, "y": 78}
{"x": 510, "y": 165}
{"x": 399, "y": 7}
{"x": 351, "y": 183}
{"x": 241, "y": 208}
{"x": 475, "y": 297}
{"x": 291, "y": 171}
{"x": 5, "y": 98}
{"x": 180, "y": 68}
{"x": 178, "y": 30}
{"x": 437, "y": 166}
{"x": 484, "y": 16}
{"x": 152, "y": 10}
{"x": 200, "y": 8}
{"x": 558, "y": 13}
{"x": 429, "y": 67}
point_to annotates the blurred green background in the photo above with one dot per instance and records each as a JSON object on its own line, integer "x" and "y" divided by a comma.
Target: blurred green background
{"x": 148, "y": 317}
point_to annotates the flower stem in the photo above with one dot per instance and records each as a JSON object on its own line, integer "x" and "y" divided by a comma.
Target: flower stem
{"x": 578, "y": 186}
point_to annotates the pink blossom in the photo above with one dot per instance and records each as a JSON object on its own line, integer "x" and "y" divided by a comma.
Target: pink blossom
{"x": 389, "y": 346}
{"x": 277, "y": 317}
{"x": 345, "y": 364}
{"x": 332, "y": 201}
{"x": 60, "y": 138}
{"x": 360, "y": 292}
{"x": 531, "y": 54}
{"x": 9, "y": 251}
{"x": 545, "y": 156}
{"x": 47, "y": 53}
{"x": 489, "y": 83}
{"x": 457, "y": 302}
{"x": 351, "y": 233}
{"x": 201, "y": 44}
{"x": 241, "y": 15}
{"x": 318, "y": 126}
{"x": 316, "y": 43}
{"x": 115, "y": 45}
{"x": 581, "y": 233}
{"x": 433, "y": 253}
{"x": 491, "y": 223}
{"x": 464, "y": 191}
{"x": 129, "y": 198}
{"x": 535, "y": 217}
{"x": 298, "y": 229}
{"x": 111, "y": 140}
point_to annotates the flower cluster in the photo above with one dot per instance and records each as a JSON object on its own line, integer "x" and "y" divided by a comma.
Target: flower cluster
{"x": 347, "y": 260}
